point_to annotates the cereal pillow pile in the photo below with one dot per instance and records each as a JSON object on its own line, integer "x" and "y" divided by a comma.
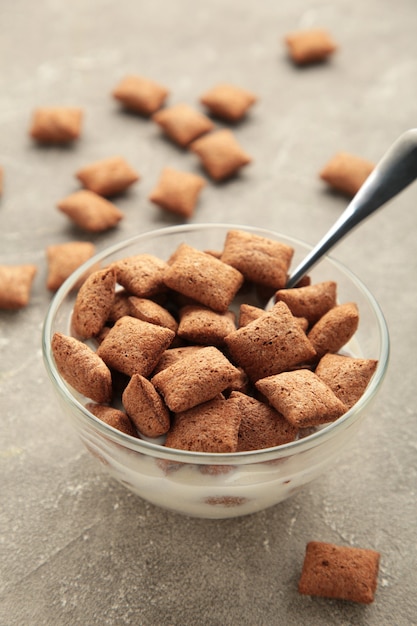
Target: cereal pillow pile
{"x": 202, "y": 369}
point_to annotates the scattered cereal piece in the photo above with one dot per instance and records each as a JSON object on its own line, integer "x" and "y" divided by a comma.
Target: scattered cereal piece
{"x": 177, "y": 191}
{"x": 209, "y": 427}
{"x": 90, "y": 211}
{"x": 346, "y": 376}
{"x": 259, "y": 259}
{"x": 220, "y": 153}
{"x": 204, "y": 326}
{"x": 82, "y": 368}
{"x": 132, "y": 346}
{"x": 182, "y": 123}
{"x": 142, "y": 275}
{"x": 228, "y": 101}
{"x": 346, "y": 172}
{"x": 342, "y": 572}
{"x": 335, "y": 328}
{"x": 15, "y": 285}
{"x": 113, "y": 417}
{"x": 310, "y": 46}
{"x": 194, "y": 379}
{"x": 270, "y": 344}
{"x": 93, "y": 303}
{"x": 261, "y": 425}
{"x": 140, "y": 94}
{"x": 56, "y": 124}
{"x": 203, "y": 277}
{"x": 152, "y": 312}
{"x": 145, "y": 407}
{"x": 108, "y": 176}
{"x": 302, "y": 398}
{"x": 310, "y": 302}
{"x": 64, "y": 258}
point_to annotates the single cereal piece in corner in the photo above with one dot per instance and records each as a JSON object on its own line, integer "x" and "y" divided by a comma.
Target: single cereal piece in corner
{"x": 270, "y": 344}
{"x": 108, "y": 176}
{"x": 260, "y": 259}
{"x": 302, "y": 398}
{"x": 346, "y": 172}
{"x": 93, "y": 303}
{"x": 209, "y": 427}
{"x": 335, "y": 328}
{"x": 15, "y": 285}
{"x": 64, "y": 258}
{"x": 113, "y": 417}
{"x": 347, "y": 377}
{"x": 141, "y": 275}
{"x": 342, "y": 572}
{"x": 182, "y": 123}
{"x": 195, "y": 378}
{"x": 177, "y": 191}
{"x": 261, "y": 425}
{"x": 202, "y": 325}
{"x": 310, "y": 46}
{"x": 90, "y": 211}
{"x": 220, "y": 153}
{"x": 82, "y": 368}
{"x": 140, "y": 94}
{"x": 228, "y": 102}
{"x": 202, "y": 277}
{"x": 132, "y": 346}
{"x": 145, "y": 407}
{"x": 310, "y": 302}
{"x": 56, "y": 124}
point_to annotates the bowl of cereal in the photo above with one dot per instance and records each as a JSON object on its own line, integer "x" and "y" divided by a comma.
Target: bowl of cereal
{"x": 194, "y": 392}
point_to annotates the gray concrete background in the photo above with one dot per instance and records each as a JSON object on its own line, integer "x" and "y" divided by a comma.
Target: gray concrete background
{"x": 76, "y": 548}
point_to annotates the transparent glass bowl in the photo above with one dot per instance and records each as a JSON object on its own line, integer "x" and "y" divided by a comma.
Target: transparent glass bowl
{"x": 217, "y": 485}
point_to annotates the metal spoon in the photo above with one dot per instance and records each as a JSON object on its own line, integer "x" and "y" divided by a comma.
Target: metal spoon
{"x": 396, "y": 170}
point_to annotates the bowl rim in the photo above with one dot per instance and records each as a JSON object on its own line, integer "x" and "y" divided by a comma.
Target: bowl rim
{"x": 150, "y": 448}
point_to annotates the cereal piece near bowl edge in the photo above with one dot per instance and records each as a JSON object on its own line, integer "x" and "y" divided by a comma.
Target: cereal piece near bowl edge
{"x": 348, "y": 377}
{"x": 220, "y": 154}
{"x": 228, "y": 101}
{"x": 310, "y": 302}
{"x": 342, "y": 572}
{"x": 15, "y": 285}
{"x": 82, "y": 368}
{"x": 334, "y": 329}
{"x": 302, "y": 398}
{"x": 113, "y": 417}
{"x": 310, "y": 46}
{"x": 107, "y": 177}
{"x": 64, "y": 258}
{"x": 140, "y": 94}
{"x": 90, "y": 211}
{"x": 59, "y": 124}
{"x": 209, "y": 427}
{"x": 182, "y": 123}
{"x": 145, "y": 407}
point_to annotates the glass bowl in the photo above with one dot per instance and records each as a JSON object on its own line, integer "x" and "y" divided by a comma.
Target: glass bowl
{"x": 218, "y": 485}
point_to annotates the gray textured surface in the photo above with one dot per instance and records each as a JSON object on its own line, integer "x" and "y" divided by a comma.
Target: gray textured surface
{"x": 75, "y": 547}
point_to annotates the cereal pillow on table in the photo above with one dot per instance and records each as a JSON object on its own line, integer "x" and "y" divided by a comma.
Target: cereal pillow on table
{"x": 228, "y": 102}
{"x": 177, "y": 191}
{"x": 346, "y": 172}
{"x": 58, "y": 124}
{"x": 64, "y": 258}
{"x": 15, "y": 285}
{"x": 220, "y": 154}
{"x": 90, "y": 211}
{"x": 108, "y": 176}
{"x": 182, "y": 123}
{"x": 140, "y": 94}
{"x": 310, "y": 46}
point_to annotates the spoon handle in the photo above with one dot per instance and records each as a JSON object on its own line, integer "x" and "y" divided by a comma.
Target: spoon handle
{"x": 396, "y": 170}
